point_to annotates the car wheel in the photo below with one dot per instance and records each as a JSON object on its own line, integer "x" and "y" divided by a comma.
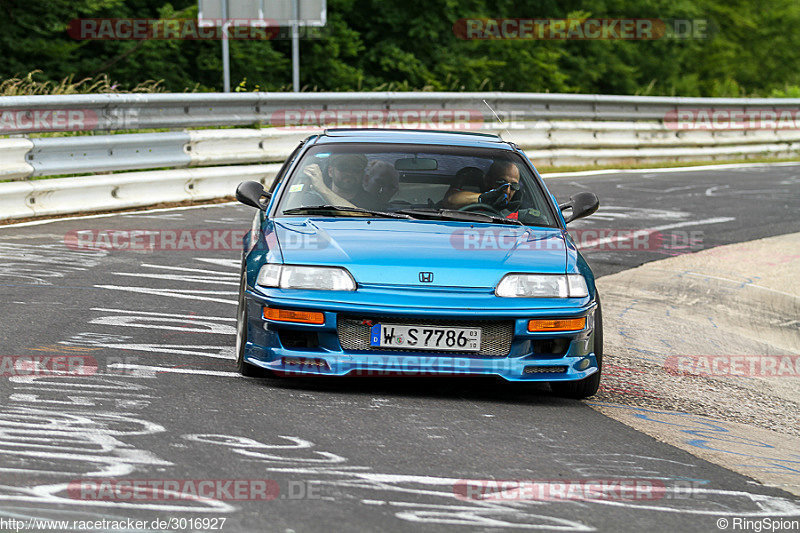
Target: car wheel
{"x": 586, "y": 387}
{"x": 245, "y": 368}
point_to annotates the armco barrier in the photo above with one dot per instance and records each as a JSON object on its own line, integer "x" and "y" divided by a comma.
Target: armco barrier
{"x": 52, "y": 156}
{"x": 547, "y": 143}
{"x": 12, "y": 159}
{"x": 30, "y": 114}
{"x": 232, "y": 146}
{"x": 553, "y": 129}
{"x": 119, "y": 191}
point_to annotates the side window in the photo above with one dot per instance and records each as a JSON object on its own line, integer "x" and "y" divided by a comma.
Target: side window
{"x": 282, "y": 172}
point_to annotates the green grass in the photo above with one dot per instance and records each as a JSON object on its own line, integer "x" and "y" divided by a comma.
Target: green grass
{"x": 101, "y": 84}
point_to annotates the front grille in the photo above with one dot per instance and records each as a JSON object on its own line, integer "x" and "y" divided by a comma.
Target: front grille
{"x": 495, "y": 335}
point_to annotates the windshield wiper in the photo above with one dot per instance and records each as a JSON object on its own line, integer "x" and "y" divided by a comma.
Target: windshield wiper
{"x": 342, "y": 209}
{"x": 452, "y": 214}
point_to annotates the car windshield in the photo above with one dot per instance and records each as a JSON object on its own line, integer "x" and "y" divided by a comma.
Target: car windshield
{"x": 415, "y": 181}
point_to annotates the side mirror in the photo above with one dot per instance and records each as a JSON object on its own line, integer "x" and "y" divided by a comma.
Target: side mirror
{"x": 250, "y": 193}
{"x": 582, "y": 204}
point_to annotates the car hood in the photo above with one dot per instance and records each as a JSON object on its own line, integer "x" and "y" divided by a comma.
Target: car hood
{"x": 398, "y": 252}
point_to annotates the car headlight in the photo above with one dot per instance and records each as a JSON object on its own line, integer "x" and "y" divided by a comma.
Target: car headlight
{"x": 306, "y": 277}
{"x": 542, "y": 286}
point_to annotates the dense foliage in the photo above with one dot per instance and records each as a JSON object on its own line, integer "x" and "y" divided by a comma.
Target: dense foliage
{"x": 751, "y": 48}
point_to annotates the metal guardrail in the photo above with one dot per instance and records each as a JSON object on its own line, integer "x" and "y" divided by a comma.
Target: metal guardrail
{"x": 20, "y": 199}
{"x": 550, "y": 143}
{"x": 191, "y": 110}
{"x": 51, "y": 156}
{"x": 12, "y": 158}
{"x": 54, "y": 156}
{"x": 553, "y": 129}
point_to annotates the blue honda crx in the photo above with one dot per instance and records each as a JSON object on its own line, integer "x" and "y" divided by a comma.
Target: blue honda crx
{"x": 416, "y": 253}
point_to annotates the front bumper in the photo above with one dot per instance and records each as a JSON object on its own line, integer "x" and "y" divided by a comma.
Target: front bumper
{"x": 301, "y": 349}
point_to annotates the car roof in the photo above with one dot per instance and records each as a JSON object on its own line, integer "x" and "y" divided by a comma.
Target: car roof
{"x": 408, "y": 136}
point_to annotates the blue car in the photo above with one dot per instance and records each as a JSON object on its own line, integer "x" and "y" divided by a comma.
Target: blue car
{"x": 416, "y": 253}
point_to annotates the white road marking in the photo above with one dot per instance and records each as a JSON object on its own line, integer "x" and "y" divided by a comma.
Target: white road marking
{"x": 610, "y": 212}
{"x": 740, "y": 192}
{"x": 711, "y": 190}
{"x": 196, "y": 270}
{"x": 149, "y": 313}
{"x": 160, "y": 369}
{"x": 175, "y": 277}
{"x": 231, "y": 263}
{"x": 169, "y": 324}
{"x": 175, "y": 293}
{"x": 640, "y": 188}
{"x": 165, "y": 216}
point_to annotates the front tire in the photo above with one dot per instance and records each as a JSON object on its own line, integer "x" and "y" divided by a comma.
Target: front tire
{"x": 586, "y": 387}
{"x": 245, "y": 368}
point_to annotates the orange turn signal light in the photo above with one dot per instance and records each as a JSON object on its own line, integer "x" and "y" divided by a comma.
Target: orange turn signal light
{"x": 286, "y": 315}
{"x": 559, "y": 324}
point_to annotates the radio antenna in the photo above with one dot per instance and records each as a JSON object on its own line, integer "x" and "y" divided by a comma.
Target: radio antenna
{"x": 500, "y": 120}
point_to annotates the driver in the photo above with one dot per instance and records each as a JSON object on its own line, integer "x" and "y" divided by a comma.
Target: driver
{"x": 346, "y": 173}
{"x": 498, "y": 188}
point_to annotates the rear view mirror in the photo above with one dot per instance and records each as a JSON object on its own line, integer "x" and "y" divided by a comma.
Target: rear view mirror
{"x": 416, "y": 163}
{"x": 582, "y": 204}
{"x": 250, "y": 193}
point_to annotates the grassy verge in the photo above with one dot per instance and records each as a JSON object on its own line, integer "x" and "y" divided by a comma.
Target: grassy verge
{"x": 29, "y": 85}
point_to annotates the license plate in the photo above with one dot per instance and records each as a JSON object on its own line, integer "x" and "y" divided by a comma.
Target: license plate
{"x": 425, "y": 337}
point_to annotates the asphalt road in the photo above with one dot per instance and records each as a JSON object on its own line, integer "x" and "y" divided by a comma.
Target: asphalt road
{"x": 345, "y": 455}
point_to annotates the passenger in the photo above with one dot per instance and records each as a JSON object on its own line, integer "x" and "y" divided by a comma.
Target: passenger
{"x": 497, "y": 188}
